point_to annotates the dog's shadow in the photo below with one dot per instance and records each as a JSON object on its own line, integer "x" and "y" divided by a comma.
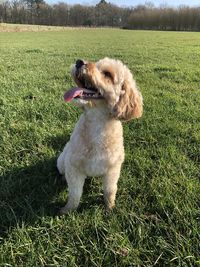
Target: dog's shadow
{"x": 30, "y": 193}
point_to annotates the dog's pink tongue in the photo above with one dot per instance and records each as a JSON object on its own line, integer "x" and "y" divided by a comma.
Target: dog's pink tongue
{"x": 72, "y": 93}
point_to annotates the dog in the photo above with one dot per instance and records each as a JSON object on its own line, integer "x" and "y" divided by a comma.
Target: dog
{"x": 107, "y": 94}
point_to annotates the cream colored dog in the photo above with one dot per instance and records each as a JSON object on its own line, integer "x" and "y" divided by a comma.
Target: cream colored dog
{"x": 107, "y": 93}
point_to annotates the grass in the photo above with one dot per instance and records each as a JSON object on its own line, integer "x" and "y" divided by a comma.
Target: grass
{"x": 9, "y": 27}
{"x": 157, "y": 216}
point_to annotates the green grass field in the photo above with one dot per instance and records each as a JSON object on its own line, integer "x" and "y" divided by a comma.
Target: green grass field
{"x": 157, "y": 216}
{"x": 8, "y": 27}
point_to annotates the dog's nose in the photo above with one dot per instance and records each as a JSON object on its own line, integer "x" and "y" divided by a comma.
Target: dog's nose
{"x": 79, "y": 63}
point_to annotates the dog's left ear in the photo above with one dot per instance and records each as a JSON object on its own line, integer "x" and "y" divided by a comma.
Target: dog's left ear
{"x": 130, "y": 104}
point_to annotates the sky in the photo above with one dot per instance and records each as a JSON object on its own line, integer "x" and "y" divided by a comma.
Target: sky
{"x": 122, "y": 3}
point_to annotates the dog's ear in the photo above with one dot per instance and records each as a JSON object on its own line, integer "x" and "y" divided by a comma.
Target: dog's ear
{"x": 130, "y": 104}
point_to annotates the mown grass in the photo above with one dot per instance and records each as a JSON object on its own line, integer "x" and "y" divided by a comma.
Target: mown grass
{"x": 157, "y": 216}
{"x": 9, "y": 27}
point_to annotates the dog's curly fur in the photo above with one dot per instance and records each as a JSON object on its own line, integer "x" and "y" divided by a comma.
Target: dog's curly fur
{"x": 96, "y": 145}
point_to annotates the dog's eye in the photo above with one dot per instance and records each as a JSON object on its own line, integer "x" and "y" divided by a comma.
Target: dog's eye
{"x": 107, "y": 74}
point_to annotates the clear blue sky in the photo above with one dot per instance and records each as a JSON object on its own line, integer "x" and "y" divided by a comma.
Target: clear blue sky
{"x": 133, "y": 2}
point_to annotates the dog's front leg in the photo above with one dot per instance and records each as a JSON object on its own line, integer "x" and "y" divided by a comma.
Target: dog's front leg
{"x": 110, "y": 180}
{"x": 75, "y": 183}
{"x": 61, "y": 161}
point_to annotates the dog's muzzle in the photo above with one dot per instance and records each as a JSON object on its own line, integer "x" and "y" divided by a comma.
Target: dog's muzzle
{"x": 79, "y": 63}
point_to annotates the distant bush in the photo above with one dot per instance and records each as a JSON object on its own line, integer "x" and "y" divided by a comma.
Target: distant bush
{"x": 147, "y": 17}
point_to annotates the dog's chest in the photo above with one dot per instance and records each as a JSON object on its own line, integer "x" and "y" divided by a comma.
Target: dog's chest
{"x": 97, "y": 144}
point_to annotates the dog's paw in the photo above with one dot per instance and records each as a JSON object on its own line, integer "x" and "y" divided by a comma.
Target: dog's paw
{"x": 69, "y": 207}
{"x": 110, "y": 207}
{"x": 62, "y": 211}
{"x": 109, "y": 204}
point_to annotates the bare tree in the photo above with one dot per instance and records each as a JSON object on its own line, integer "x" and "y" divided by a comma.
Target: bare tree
{"x": 104, "y": 13}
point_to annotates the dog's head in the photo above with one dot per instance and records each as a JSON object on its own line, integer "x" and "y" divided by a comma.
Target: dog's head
{"x": 109, "y": 83}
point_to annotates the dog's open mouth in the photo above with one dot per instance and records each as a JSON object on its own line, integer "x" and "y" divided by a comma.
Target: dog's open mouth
{"x": 82, "y": 93}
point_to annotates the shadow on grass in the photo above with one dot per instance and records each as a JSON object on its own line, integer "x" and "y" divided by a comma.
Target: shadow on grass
{"x": 30, "y": 193}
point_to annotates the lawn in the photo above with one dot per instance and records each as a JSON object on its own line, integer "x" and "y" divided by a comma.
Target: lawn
{"x": 156, "y": 220}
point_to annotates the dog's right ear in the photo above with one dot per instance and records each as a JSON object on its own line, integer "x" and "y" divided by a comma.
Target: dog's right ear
{"x": 130, "y": 104}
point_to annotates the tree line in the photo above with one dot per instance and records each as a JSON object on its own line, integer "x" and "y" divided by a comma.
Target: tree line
{"x": 147, "y": 17}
